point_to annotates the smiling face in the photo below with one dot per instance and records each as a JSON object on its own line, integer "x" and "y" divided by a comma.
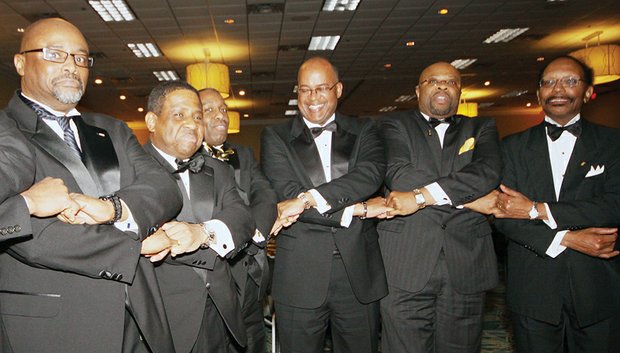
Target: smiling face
{"x": 317, "y": 107}
{"x": 215, "y": 117}
{"x": 440, "y": 100}
{"x": 58, "y": 85}
{"x": 560, "y": 102}
{"x": 177, "y": 130}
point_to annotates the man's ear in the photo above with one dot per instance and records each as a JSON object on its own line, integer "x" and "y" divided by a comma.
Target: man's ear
{"x": 18, "y": 61}
{"x": 151, "y": 121}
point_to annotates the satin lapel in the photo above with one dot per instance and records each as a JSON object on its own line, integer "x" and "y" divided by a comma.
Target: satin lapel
{"x": 235, "y": 162}
{"x": 99, "y": 156}
{"x": 304, "y": 146}
{"x": 539, "y": 165}
{"x": 342, "y": 146}
{"x": 451, "y": 141}
{"x": 584, "y": 152}
{"x": 431, "y": 145}
{"x": 202, "y": 192}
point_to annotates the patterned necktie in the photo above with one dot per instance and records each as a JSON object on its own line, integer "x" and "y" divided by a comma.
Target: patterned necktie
{"x": 316, "y": 131}
{"x": 63, "y": 121}
{"x": 555, "y": 131}
{"x": 220, "y": 153}
{"x": 194, "y": 164}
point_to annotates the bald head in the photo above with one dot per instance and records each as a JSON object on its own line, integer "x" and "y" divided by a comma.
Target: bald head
{"x": 439, "y": 90}
{"x": 318, "y": 90}
{"x": 60, "y": 85}
{"x": 317, "y": 62}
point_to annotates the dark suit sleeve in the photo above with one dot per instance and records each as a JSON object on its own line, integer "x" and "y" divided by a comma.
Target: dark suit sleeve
{"x": 532, "y": 235}
{"x": 263, "y": 198}
{"x": 16, "y": 160}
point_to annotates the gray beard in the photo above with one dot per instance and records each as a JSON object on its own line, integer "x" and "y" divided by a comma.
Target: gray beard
{"x": 68, "y": 96}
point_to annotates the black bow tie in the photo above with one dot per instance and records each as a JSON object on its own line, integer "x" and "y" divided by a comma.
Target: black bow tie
{"x": 433, "y": 122}
{"x": 555, "y": 131}
{"x": 316, "y": 131}
{"x": 194, "y": 164}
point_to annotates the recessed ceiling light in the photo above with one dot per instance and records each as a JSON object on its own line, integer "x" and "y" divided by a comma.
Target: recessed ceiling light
{"x": 20, "y": 30}
{"x": 246, "y": 115}
{"x": 290, "y": 112}
{"x": 144, "y": 50}
{"x": 443, "y": 11}
{"x": 242, "y": 93}
{"x": 540, "y": 58}
{"x": 487, "y": 83}
{"x": 295, "y": 89}
{"x": 122, "y": 97}
{"x": 410, "y": 43}
{"x": 140, "y": 109}
{"x": 387, "y": 66}
{"x": 462, "y": 63}
{"x": 323, "y": 43}
{"x": 229, "y": 21}
{"x": 115, "y": 10}
{"x": 389, "y": 108}
{"x": 505, "y": 35}
{"x": 404, "y": 98}
{"x": 238, "y": 71}
{"x": 528, "y": 104}
{"x": 98, "y": 81}
{"x": 340, "y": 5}
{"x": 167, "y": 75}
{"x": 514, "y": 94}
{"x": 292, "y": 102}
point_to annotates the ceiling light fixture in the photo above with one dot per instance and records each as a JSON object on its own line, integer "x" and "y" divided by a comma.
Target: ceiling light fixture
{"x": 168, "y": 75}
{"x": 540, "y": 58}
{"x": 323, "y": 43}
{"x": 528, "y": 104}
{"x": 20, "y": 30}
{"x": 462, "y": 63}
{"x": 112, "y": 10}
{"x": 603, "y": 59}
{"x": 387, "y": 66}
{"x": 238, "y": 71}
{"x": 290, "y": 112}
{"x": 389, "y": 108}
{"x": 122, "y": 97}
{"x": 234, "y": 122}
{"x": 242, "y": 93}
{"x": 246, "y": 115}
{"x": 487, "y": 83}
{"x": 404, "y": 98}
{"x": 514, "y": 94}
{"x": 229, "y": 21}
{"x": 208, "y": 74}
{"x": 469, "y": 109}
{"x": 144, "y": 50}
{"x": 340, "y": 5}
{"x": 410, "y": 43}
{"x": 505, "y": 35}
{"x": 98, "y": 81}
{"x": 443, "y": 11}
{"x": 140, "y": 109}
{"x": 292, "y": 102}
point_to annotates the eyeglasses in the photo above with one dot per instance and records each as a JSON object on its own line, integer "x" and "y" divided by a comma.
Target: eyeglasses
{"x": 320, "y": 90}
{"x": 434, "y": 82}
{"x": 565, "y": 81}
{"x": 60, "y": 56}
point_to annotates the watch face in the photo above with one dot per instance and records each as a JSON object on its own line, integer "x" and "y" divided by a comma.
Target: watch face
{"x": 419, "y": 199}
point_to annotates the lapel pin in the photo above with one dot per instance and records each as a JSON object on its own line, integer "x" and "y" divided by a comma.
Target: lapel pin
{"x": 583, "y": 163}
{"x": 101, "y": 134}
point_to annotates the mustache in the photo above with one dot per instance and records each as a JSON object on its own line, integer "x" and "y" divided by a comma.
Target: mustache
{"x": 548, "y": 100}
{"x": 68, "y": 76}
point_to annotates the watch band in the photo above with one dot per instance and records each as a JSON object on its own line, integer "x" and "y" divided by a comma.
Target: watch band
{"x": 533, "y": 211}
{"x": 419, "y": 198}
{"x": 305, "y": 200}
{"x": 118, "y": 207}
{"x": 365, "y": 208}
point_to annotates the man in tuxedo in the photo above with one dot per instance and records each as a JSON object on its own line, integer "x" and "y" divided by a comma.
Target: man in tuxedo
{"x": 81, "y": 287}
{"x": 328, "y": 268}
{"x": 213, "y": 226}
{"x": 438, "y": 252}
{"x": 250, "y": 269}
{"x": 561, "y": 191}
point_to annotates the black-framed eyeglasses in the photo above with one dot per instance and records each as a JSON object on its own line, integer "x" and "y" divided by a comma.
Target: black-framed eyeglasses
{"x": 435, "y": 82}
{"x": 320, "y": 90}
{"x": 60, "y": 56}
{"x": 565, "y": 81}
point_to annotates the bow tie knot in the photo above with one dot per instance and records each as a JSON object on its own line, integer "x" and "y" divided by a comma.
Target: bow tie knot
{"x": 555, "y": 131}
{"x": 316, "y": 131}
{"x": 434, "y": 122}
{"x": 194, "y": 164}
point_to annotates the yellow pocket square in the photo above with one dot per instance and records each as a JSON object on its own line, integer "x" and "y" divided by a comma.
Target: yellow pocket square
{"x": 468, "y": 145}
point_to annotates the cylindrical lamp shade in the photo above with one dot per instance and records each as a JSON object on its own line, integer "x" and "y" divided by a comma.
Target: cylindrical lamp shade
{"x": 234, "y": 122}
{"x": 209, "y": 75}
{"x": 468, "y": 109}
{"x": 603, "y": 59}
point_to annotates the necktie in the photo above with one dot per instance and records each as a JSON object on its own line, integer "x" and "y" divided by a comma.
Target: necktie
{"x": 316, "y": 131}
{"x": 63, "y": 121}
{"x": 194, "y": 164}
{"x": 555, "y": 131}
{"x": 220, "y": 153}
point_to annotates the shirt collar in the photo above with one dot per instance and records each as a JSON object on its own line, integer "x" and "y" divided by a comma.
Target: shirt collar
{"x": 171, "y": 160}
{"x": 310, "y": 124}
{"x": 572, "y": 121}
{"x": 72, "y": 112}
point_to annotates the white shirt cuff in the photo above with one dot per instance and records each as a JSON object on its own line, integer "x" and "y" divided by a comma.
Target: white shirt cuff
{"x": 440, "y": 196}
{"x": 321, "y": 204}
{"x": 556, "y": 248}
{"x": 223, "y": 243}
{"x": 550, "y": 221}
{"x": 129, "y": 224}
{"x": 347, "y": 216}
{"x": 258, "y": 237}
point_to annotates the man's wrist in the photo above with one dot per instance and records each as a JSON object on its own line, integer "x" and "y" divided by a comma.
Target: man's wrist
{"x": 117, "y": 207}
{"x": 420, "y": 200}
{"x": 208, "y": 237}
{"x": 305, "y": 200}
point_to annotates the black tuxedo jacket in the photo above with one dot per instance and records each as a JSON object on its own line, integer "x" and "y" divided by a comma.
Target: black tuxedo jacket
{"x": 290, "y": 160}
{"x": 467, "y": 168}
{"x": 187, "y": 279}
{"x": 66, "y": 289}
{"x": 536, "y": 282}
{"x": 256, "y": 192}
{"x": 16, "y": 174}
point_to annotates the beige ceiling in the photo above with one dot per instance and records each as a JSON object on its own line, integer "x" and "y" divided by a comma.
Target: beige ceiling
{"x": 269, "y": 42}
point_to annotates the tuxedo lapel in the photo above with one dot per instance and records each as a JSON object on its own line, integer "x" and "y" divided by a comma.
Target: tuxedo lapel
{"x": 234, "y": 161}
{"x": 342, "y": 145}
{"x": 202, "y": 193}
{"x": 540, "y": 165}
{"x": 430, "y": 141}
{"x": 304, "y": 146}
{"x": 584, "y": 152}
{"x": 451, "y": 141}
{"x": 99, "y": 156}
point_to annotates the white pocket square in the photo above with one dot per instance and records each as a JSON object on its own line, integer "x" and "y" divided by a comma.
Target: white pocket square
{"x": 599, "y": 169}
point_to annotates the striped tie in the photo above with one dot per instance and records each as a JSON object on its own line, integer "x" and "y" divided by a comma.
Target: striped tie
{"x": 64, "y": 122}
